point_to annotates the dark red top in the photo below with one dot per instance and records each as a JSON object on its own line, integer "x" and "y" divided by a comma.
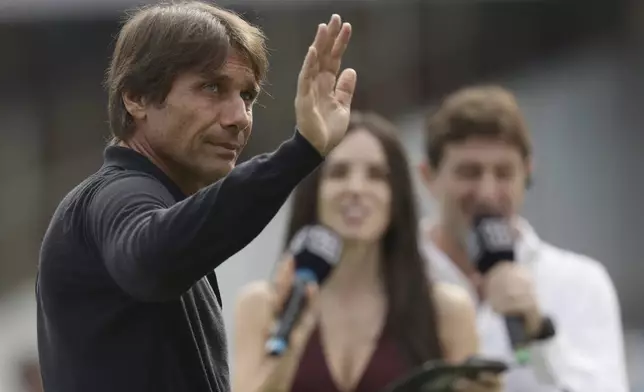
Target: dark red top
{"x": 386, "y": 364}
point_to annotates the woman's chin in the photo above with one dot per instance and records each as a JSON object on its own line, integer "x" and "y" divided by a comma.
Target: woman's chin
{"x": 357, "y": 233}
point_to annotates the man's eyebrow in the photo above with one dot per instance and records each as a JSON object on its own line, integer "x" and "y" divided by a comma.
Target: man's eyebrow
{"x": 216, "y": 76}
{"x": 222, "y": 77}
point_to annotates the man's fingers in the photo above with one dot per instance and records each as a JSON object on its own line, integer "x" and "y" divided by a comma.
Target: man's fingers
{"x": 345, "y": 87}
{"x": 309, "y": 71}
{"x": 321, "y": 38}
{"x": 335, "y": 25}
{"x": 339, "y": 47}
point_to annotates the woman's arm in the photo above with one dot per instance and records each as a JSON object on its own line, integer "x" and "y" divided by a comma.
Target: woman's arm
{"x": 456, "y": 322}
{"x": 459, "y": 336}
{"x": 255, "y": 314}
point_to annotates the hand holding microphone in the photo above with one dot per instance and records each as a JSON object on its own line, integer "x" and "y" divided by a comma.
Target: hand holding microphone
{"x": 315, "y": 251}
{"x": 508, "y": 286}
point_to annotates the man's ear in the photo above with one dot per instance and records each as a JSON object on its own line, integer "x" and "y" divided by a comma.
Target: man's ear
{"x": 135, "y": 105}
{"x": 427, "y": 175}
{"x": 529, "y": 172}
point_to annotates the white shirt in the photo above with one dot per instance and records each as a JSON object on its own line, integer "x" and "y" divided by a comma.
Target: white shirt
{"x": 587, "y": 353}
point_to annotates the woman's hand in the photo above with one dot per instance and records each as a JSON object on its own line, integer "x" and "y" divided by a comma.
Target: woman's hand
{"x": 486, "y": 382}
{"x": 282, "y": 286}
{"x": 259, "y": 307}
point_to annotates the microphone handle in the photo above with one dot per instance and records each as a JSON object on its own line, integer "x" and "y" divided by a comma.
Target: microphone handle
{"x": 516, "y": 331}
{"x": 277, "y": 344}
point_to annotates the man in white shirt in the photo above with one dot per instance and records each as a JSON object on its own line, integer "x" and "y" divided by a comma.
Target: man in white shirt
{"x": 478, "y": 154}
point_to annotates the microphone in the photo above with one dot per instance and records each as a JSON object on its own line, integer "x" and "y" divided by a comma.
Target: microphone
{"x": 490, "y": 242}
{"x": 316, "y": 250}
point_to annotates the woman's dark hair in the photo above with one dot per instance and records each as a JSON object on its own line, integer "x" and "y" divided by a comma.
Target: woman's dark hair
{"x": 411, "y": 315}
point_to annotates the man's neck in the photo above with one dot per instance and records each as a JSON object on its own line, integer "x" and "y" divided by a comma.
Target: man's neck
{"x": 454, "y": 249}
{"x": 188, "y": 187}
{"x": 457, "y": 253}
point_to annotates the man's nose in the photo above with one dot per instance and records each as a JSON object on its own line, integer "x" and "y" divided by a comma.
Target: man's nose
{"x": 487, "y": 189}
{"x": 234, "y": 115}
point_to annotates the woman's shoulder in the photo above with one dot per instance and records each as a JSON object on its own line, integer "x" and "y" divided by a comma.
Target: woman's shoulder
{"x": 452, "y": 300}
{"x": 255, "y": 294}
{"x": 456, "y": 321}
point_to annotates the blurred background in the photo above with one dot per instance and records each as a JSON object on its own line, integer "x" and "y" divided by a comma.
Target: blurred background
{"x": 575, "y": 66}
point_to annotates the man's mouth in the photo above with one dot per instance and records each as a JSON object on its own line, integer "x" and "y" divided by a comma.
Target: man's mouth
{"x": 226, "y": 149}
{"x": 229, "y": 146}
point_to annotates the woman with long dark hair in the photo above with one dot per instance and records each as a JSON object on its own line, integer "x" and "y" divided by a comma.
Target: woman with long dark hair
{"x": 377, "y": 315}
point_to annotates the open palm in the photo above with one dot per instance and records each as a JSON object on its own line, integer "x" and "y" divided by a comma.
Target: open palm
{"x": 323, "y": 101}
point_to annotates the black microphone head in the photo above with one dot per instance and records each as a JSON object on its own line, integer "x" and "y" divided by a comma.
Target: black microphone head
{"x": 316, "y": 250}
{"x": 490, "y": 241}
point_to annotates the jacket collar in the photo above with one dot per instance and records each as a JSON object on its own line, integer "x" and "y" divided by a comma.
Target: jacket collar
{"x": 128, "y": 159}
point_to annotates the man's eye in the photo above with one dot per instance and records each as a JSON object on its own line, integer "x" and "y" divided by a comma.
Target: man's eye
{"x": 468, "y": 172}
{"x": 249, "y": 96}
{"x": 214, "y": 87}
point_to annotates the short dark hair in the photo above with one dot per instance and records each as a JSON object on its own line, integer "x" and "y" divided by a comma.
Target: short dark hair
{"x": 160, "y": 41}
{"x": 478, "y": 111}
{"x": 411, "y": 316}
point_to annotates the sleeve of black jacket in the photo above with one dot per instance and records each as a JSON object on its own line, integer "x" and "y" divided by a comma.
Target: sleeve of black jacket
{"x": 156, "y": 252}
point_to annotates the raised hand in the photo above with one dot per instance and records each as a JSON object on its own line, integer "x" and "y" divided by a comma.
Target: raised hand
{"x": 323, "y": 101}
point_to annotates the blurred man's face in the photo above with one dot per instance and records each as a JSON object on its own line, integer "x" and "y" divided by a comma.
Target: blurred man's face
{"x": 478, "y": 175}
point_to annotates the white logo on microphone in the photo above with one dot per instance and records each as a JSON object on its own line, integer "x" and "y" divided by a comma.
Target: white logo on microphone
{"x": 496, "y": 234}
{"x": 320, "y": 241}
{"x": 325, "y": 244}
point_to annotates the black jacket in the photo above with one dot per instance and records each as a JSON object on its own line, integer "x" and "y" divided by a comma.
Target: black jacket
{"x": 127, "y": 294}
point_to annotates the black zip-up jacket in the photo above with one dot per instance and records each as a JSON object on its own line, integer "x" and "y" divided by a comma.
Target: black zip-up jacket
{"x": 127, "y": 294}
